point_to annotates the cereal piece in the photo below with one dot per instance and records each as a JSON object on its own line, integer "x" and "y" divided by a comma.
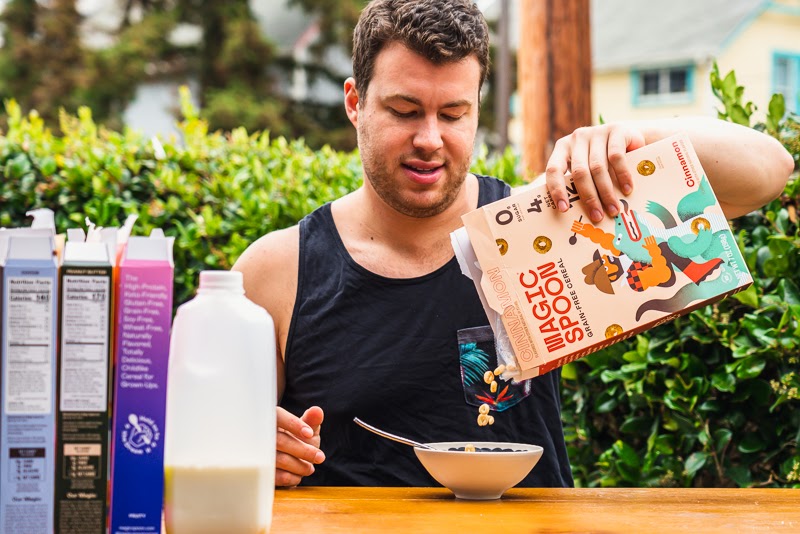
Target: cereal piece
{"x": 613, "y": 331}
{"x": 488, "y": 377}
{"x": 500, "y": 370}
{"x": 469, "y": 447}
{"x": 542, "y": 244}
{"x": 491, "y": 419}
{"x": 493, "y": 387}
{"x": 700, "y": 223}
{"x": 484, "y": 408}
{"x": 502, "y": 245}
{"x": 646, "y": 167}
{"x": 511, "y": 368}
{"x": 483, "y": 419}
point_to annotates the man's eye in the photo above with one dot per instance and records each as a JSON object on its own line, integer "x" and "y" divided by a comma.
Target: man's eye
{"x": 402, "y": 114}
{"x": 452, "y": 118}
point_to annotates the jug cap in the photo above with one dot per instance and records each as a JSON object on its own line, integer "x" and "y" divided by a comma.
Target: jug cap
{"x": 222, "y": 280}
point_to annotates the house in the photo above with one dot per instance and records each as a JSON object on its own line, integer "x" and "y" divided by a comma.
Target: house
{"x": 652, "y": 59}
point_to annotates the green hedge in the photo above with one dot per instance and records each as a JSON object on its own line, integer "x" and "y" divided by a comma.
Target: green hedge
{"x": 710, "y": 399}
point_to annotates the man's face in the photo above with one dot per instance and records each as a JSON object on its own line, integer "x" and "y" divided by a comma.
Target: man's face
{"x": 416, "y": 129}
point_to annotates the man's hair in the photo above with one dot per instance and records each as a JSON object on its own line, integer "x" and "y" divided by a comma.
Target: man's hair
{"x": 442, "y": 31}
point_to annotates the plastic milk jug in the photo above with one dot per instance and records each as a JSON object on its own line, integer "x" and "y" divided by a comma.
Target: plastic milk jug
{"x": 219, "y": 455}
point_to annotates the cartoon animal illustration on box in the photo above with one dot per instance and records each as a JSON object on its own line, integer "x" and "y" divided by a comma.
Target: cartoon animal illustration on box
{"x": 634, "y": 254}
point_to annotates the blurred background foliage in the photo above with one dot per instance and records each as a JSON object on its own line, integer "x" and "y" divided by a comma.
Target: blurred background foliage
{"x": 711, "y": 398}
{"x": 45, "y": 65}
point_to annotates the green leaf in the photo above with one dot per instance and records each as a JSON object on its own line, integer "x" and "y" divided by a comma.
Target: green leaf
{"x": 751, "y": 367}
{"x": 569, "y": 372}
{"x": 711, "y": 406}
{"x": 740, "y": 475}
{"x": 636, "y": 425}
{"x": 626, "y": 454}
{"x": 629, "y": 473}
{"x": 722, "y": 436}
{"x": 48, "y": 166}
{"x": 605, "y": 403}
{"x": 694, "y": 463}
{"x": 739, "y": 115}
{"x": 789, "y": 291}
{"x": 634, "y": 367}
{"x": 777, "y": 109}
{"x": 748, "y": 297}
{"x": 751, "y": 443}
{"x": 723, "y": 381}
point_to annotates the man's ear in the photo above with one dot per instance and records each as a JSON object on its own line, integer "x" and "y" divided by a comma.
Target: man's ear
{"x": 351, "y": 100}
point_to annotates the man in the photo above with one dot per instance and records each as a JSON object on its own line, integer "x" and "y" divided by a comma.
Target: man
{"x": 372, "y": 315}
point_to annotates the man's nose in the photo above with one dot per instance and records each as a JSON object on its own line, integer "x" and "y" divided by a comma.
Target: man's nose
{"x": 428, "y": 137}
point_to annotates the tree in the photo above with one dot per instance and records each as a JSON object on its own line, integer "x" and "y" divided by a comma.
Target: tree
{"x": 41, "y": 62}
{"x": 45, "y": 66}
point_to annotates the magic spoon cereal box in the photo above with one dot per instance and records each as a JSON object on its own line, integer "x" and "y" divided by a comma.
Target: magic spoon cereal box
{"x": 565, "y": 287}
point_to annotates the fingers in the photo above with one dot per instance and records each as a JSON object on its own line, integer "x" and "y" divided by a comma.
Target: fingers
{"x": 557, "y": 167}
{"x": 617, "y": 147}
{"x": 293, "y": 424}
{"x": 590, "y": 171}
{"x": 313, "y": 418}
{"x": 596, "y": 158}
{"x": 294, "y": 457}
{"x": 296, "y": 444}
{"x": 285, "y": 479}
{"x": 298, "y": 449}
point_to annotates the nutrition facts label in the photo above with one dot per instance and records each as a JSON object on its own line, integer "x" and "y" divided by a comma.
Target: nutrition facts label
{"x": 29, "y": 343}
{"x": 84, "y": 343}
{"x": 82, "y": 461}
{"x": 26, "y": 465}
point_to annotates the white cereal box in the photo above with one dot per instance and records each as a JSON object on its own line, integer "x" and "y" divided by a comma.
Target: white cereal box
{"x": 565, "y": 287}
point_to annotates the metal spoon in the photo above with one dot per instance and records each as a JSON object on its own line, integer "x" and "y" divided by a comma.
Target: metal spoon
{"x": 387, "y": 435}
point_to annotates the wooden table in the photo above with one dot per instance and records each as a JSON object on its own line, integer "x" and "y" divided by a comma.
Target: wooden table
{"x": 629, "y": 511}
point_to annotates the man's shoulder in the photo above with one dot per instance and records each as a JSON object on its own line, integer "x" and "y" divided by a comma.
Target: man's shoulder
{"x": 273, "y": 248}
{"x": 269, "y": 267}
{"x": 490, "y": 188}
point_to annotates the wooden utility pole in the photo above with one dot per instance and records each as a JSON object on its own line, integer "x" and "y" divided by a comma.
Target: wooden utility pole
{"x": 554, "y": 68}
{"x": 503, "y": 76}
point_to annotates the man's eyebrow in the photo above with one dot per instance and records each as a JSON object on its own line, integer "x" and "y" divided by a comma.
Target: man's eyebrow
{"x": 418, "y": 102}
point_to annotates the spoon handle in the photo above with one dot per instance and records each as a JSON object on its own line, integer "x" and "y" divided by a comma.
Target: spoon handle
{"x": 387, "y": 435}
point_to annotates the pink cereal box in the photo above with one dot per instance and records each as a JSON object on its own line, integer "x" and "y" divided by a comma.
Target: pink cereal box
{"x": 143, "y": 319}
{"x": 564, "y": 287}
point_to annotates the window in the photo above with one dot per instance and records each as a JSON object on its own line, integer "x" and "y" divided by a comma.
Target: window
{"x": 671, "y": 85}
{"x": 786, "y": 79}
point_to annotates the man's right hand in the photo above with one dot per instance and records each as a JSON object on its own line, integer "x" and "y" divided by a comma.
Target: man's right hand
{"x": 297, "y": 444}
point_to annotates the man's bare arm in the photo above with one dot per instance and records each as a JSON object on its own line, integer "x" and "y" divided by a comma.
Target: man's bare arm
{"x": 746, "y": 168}
{"x": 269, "y": 267}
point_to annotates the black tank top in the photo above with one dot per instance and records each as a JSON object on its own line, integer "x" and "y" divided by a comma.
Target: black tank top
{"x": 406, "y": 355}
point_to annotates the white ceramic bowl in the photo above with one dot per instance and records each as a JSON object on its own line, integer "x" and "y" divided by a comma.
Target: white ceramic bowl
{"x": 479, "y": 475}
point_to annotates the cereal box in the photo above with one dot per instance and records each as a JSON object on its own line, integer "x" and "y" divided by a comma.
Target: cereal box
{"x": 564, "y": 287}
{"x": 83, "y": 382}
{"x": 28, "y": 276}
{"x": 142, "y": 329}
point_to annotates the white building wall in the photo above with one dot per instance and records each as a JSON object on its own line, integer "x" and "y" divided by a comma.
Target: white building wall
{"x": 749, "y": 54}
